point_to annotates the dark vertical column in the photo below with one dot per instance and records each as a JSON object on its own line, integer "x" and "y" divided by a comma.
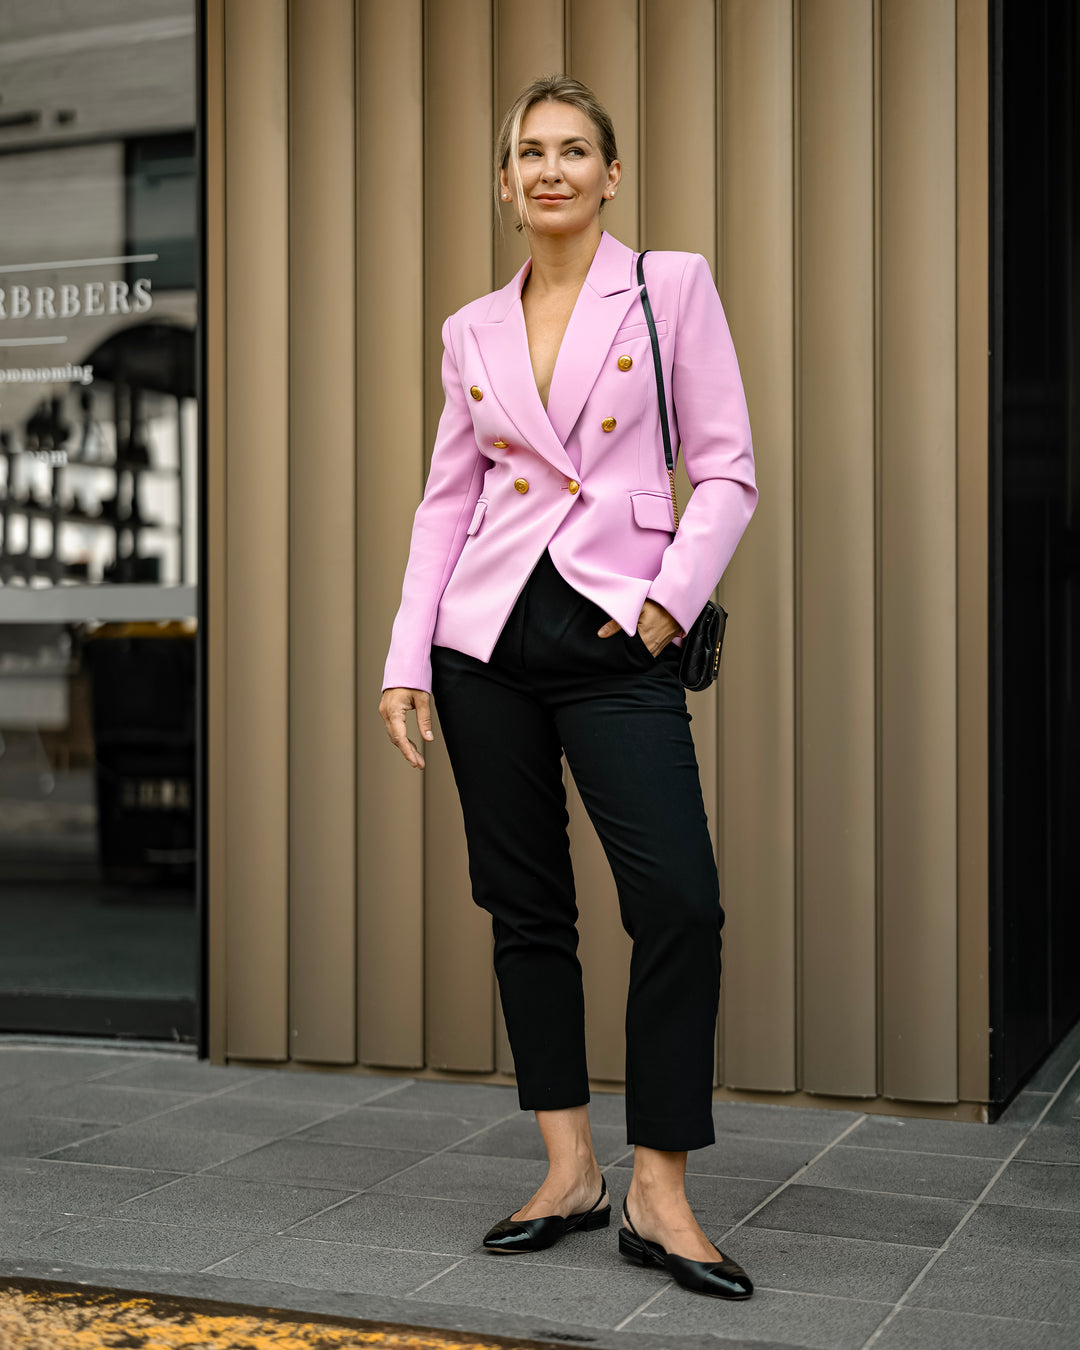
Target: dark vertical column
{"x": 1035, "y": 996}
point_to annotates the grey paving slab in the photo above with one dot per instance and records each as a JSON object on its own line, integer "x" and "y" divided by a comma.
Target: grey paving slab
{"x": 1063, "y": 1108}
{"x": 718, "y": 1202}
{"x": 809, "y": 1263}
{"x": 20, "y": 1098}
{"x": 758, "y": 1159}
{"x": 32, "y": 1136}
{"x": 1052, "y": 1143}
{"x": 24, "y": 1063}
{"x": 42, "y": 1184}
{"x": 919, "y": 1329}
{"x": 157, "y": 1144}
{"x": 771, "y": 1315}
{"x": 1044, "y": 1234}
{"x": 89, "y": 1101}
{"x": 342, "y": 1089}
{"x": 16, "y": 1226}
{"x": 987, "y": 1281}
{"x": 456, "y": 1099}
{"x": 303, "y": 1163}
{"x": 901, "y": 1173}
{"x": 452, "y": 1227}
{"x": 573, "y": 1296}
{"x": 520, "y": 1138}
{"x": 231, "y": 1115}
{"x": 135, "y": 1245}
{"x": 1058, "y": 1064}
{"x": 767, "y": 1121}
{"x": 1024, "y": 1109}
{"x": 901, "y": 1133}
{"x": 331, "y": 1265}
{"x": 420, "y": 1131}
{"x": 459, "y": 1176}
{"x": 1043, "y": 1185}
{"x": 225, "y": 1202}
{"x": 179, "y": 1075}
{"x": 911, "y": 1220}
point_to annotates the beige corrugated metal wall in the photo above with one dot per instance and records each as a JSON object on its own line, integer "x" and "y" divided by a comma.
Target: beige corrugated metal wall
{"x": 829, "y": 158}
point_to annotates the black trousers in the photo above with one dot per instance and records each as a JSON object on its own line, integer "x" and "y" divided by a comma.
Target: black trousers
{"x": 619, "y": 714}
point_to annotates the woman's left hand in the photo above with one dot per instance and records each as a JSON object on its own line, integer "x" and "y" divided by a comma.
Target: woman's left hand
{"x": 655, "y": 625}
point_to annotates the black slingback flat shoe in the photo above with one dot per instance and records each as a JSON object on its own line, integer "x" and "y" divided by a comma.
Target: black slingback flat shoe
{"x": 533, "y": 1235}
{"x": 721, "y": 1279}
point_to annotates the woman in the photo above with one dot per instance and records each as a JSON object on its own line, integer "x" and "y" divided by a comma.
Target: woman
{"x": 543, "y": 603}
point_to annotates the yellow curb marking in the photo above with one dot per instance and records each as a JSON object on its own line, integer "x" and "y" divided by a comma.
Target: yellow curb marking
{"x": 54, "y": 1320}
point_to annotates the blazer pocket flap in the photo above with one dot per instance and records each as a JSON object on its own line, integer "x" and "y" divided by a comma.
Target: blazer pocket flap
{"x": 477, "y": 516}
{"x": 652, "y": 511}
{"x": 639, "y": 329}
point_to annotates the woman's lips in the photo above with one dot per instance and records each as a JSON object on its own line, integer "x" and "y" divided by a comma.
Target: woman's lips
{"x": 550, "y": 199}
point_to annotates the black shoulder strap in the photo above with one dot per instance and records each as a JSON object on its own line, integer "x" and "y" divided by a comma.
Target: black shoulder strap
{"x": 658, "y": 368}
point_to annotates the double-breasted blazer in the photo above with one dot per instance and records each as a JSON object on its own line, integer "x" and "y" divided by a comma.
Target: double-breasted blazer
{"x": 586, "y": 478}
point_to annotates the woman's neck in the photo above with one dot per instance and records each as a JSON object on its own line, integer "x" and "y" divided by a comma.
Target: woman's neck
{"x": 561, "y": 262}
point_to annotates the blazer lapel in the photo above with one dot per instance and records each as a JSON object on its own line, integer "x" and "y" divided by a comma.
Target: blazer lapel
{"x": 606, "y": 295}
{"x": 601, "y": 307}
{"x": 504, "y": 349}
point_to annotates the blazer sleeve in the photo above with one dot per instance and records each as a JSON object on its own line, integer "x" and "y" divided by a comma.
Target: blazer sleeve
{"x": 714, "y": 428}
{"x": 438, "y": 533}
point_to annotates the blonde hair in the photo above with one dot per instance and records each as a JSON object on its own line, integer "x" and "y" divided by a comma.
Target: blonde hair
{"x": 548, "y": 89}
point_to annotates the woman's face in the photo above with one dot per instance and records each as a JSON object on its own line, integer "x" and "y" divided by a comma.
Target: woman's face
{"x": 563, "y": 174}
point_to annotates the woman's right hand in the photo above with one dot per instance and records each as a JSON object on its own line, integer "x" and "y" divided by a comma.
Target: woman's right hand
{"x": 393, "y": 706}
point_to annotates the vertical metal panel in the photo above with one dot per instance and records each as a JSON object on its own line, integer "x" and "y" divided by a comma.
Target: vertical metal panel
{"x": 758, "y": 851}
{"x": 458, "y": 243}
{"x": 390, "y": 480}
{"x": 212, "y": 319}
{"x": 680, "y": 150}
{"x": 972, "y": 544}
{"x": 836, "y": 782}
{"x": 257, "y": 486}
{"x": 679, "y": 137}
{"x": 918, "y": 549}
{"x": 529, "y": 43}
{"x": 322, "y": 565}
{"x": 602, "y": 49}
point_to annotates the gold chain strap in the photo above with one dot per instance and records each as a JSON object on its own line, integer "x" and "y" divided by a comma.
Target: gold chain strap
{"x": 674, "y": 499}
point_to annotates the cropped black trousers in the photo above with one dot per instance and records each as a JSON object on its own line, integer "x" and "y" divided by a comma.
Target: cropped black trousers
{"x": 619, "y": 715}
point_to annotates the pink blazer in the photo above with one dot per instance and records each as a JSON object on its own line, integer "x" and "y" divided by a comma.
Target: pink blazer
{"x": 586, "y": 478}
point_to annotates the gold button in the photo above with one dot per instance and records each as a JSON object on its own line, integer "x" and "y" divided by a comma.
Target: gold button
{"x": 609, "y": 424}
{"x": 572, "y": 486}
{"x": 522, "y": 484}
{"x": 499, "y": 445}
{"x": 625, "y": 362}
{"x": 477, "y": 394}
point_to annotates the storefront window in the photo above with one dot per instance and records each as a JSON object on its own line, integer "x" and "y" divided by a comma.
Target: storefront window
{"x": 99, "y": 497}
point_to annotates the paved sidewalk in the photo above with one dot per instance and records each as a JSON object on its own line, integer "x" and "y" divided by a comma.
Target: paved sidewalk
{"x": 367, "y": 1197}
